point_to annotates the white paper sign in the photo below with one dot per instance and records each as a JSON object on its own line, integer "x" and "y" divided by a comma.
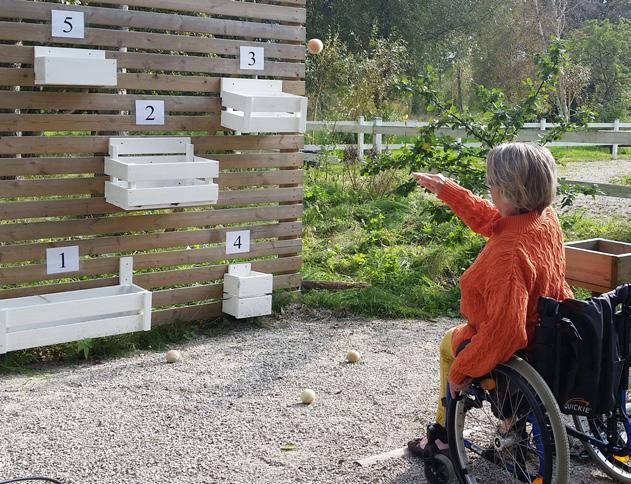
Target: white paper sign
{"x": 252, "y": 58}
{"x": 68, "y": 24}
{"x": 62, "y": 259}
{"x": 237, "y": 242}
{"x": 150, "y": 112}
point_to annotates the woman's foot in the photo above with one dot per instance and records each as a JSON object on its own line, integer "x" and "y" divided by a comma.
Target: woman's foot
{"x": 436, "y": 438}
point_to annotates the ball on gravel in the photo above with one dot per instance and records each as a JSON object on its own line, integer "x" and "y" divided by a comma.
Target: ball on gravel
{"x": 315, "y": 46}
{"x": 307, "y": 396}
{"x": 172, "y": 356}
{"x": 353, "y": 356}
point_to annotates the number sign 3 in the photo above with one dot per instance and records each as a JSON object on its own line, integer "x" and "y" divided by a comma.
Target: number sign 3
{"x": 150, "y": 112}
{"x": 252, "y": 58}
{"x": 62, "y": 259}
{"x": 68, "y": 24}
{"x": 238, "y": 242}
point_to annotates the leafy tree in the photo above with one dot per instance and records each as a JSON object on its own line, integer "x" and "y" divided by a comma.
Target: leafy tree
{"x": 499, "y": 122}
{"x": 342, "y": 84}
{"x": 605, "y": 48}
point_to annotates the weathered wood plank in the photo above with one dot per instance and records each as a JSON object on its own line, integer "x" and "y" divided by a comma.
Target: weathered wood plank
{"x": 104, "y": 265}
{"x": 167, "y": 62}
{"x": 228, "y": 8}
{"x": 78, "y": 165}
{"x": 102, "y": 122}
{"x": 96, "y": 185}
{"x": 152, "y": 280}
{"x": 88, "y": 101}
{"x": 172, "y": 22}
{"x": 146, "y": 40}
{"x": 147, "y": 82}
{"x": 10, "y": 145}
{"x": 157, "y": 240}
{"x": 129, "y": 223}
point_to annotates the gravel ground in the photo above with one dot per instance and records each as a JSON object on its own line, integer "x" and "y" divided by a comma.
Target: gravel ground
{"x": 598, "y": 172}
{"x": 223, "y": 412}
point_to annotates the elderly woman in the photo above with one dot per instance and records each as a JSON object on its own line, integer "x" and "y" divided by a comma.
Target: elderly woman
{"x": 522, "y": 260}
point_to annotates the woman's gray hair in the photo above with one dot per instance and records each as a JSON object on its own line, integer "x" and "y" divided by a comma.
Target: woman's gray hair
{"x": 525, "y": 175}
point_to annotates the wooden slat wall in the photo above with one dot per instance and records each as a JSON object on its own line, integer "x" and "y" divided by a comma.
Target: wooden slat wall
{"x": 53, "y": 141}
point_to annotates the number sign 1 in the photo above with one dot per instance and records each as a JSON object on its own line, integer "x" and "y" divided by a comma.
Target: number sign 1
{"x": 68, "y": 24}
{"x": 150, "y": 112}
{"x": 62, "y": 259}
{"x": 237, "y": 242}
{"x": 252, "y": 58}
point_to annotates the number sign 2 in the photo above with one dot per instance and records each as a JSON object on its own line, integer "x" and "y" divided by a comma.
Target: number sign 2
{"x": 68, "y": 24}
{"x": 62, "y": 259}
{"x": 238, "y": 242}
{"x": 252, "y": 58}
{"x": 150, "y": 112}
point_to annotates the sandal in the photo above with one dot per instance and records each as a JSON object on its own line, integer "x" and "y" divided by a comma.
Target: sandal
{"x": 421, "y": 446}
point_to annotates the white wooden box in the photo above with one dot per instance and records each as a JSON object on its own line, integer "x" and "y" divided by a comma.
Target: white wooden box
{"x": 27, "y": 322}
{"x": 158, "y": 173}
{"x": 254, "y": 284}
{"x": 248, "y": 307}
{"x": 73, "y": 67}
{"x": 260, "y": 105}
{"x": 154, "y": 194}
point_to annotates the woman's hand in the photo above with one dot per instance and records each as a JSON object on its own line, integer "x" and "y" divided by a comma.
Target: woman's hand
{"x": 454, "y": 388}
{"x": 433, "y": 182}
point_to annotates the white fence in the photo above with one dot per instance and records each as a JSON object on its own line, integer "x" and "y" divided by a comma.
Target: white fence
{"x": 596, "y": 134}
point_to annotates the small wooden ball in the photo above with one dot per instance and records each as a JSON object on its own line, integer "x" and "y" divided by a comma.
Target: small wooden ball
{"x": 172, "y": 356}
{"x": 315, "y": 46}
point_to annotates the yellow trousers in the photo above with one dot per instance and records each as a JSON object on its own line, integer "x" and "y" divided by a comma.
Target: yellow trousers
{"x": 446, "y": 359}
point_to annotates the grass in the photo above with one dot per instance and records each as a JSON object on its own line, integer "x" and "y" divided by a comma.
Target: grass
{"x": 587, "y": 153}
{"x": 402, "y": 246}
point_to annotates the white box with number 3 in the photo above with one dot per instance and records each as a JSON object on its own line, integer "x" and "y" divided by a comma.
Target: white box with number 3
{"x": 251, "y": 58}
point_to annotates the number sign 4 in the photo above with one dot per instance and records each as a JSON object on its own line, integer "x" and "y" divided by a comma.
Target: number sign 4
{"x": 62, "y": 259}
{"x": 68, "y": 24}
{"x": 252, "y": 58}
{"x": 150, "y": 112}
{"x": 238, "y": 242}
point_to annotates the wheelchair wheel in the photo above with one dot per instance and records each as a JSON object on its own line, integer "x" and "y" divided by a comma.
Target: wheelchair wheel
{"x": 508, "y": 431}
{"x": 439, "y": 470}
{"x": 617, "y": 467}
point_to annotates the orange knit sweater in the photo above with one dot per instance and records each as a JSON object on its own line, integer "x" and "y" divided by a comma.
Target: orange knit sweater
{"x": 522, "y": 260}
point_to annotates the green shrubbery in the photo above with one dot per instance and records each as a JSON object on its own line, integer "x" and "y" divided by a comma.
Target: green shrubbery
{"x": 396, "y": 243}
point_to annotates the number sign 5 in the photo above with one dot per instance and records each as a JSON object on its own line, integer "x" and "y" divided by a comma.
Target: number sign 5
{"x": 150, "y": 112}
{"x": 62, "y": 259}
{"x": 68, "y": 24}
{"x": 252, "y": 58}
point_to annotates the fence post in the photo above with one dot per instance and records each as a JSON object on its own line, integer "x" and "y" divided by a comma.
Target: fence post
{"x": 360, "y": 139}
{"x": 542, "y": 124}
{"x": 614, "y": 148}
{"x": 377, "y": 137}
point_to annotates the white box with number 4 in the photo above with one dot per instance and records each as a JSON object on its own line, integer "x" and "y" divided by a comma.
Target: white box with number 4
{"x": 247, "y": 293}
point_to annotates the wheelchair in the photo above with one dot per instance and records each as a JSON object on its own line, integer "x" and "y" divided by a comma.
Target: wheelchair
{"x": 507, "y": 427}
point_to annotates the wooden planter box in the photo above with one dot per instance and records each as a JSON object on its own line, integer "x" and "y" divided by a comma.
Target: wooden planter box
{"x": 260, "y": 105}
{"x": 28, "y": 322}
{"x": 73, "y": 67}
{"x": 597, "y": 264}
{"x": 247, "y": 293}
{"x": 141, "y": 179}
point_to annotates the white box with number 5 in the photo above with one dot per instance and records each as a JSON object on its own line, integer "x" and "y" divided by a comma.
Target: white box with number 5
{"x": 65, "y": 23}
{"x": 73, "y": 67}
